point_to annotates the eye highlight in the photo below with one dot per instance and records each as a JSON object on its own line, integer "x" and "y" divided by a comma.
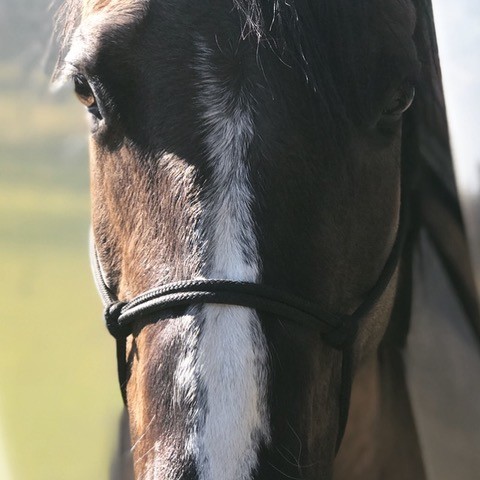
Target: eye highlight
{"x": 86, "y": 96}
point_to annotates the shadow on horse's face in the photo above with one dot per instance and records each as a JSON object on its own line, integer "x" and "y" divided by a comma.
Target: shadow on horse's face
{"x": 265, "y": 150}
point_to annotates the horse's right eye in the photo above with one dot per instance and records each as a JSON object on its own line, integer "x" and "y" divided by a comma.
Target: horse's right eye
{"x": 86, "y": 96}
{"x": 400, "y": 102}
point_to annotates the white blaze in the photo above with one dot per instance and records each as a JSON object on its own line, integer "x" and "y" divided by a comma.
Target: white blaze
{"x": 231, "y": 350}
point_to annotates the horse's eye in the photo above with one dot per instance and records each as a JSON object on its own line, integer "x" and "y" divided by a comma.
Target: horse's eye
{"x": 400, "y": 102}
{"x": 86, "y": 96}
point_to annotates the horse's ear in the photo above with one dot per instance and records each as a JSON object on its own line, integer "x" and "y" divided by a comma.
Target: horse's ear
{"x": 429, "y": 168}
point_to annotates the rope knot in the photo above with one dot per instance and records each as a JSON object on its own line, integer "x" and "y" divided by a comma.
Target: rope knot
{"x": 112, "y": 314}
{"x": 344, "y": 335}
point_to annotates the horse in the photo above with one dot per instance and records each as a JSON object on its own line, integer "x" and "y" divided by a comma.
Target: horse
{"x": 265, "y": 171}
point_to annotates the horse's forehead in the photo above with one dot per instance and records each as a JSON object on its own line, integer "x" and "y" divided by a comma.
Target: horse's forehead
{"x": 98, "y": 16}
{"x": 121, "y": 8}
{"x": 94, "y": 18}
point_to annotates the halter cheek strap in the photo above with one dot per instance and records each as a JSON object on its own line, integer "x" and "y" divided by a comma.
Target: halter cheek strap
{"x": 338, "y": 330}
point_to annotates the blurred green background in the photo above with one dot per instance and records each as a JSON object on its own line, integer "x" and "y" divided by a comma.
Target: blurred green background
{"x": 59, "y": 401}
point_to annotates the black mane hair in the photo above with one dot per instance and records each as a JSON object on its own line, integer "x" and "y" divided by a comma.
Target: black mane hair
{"x": 326, "y": 52}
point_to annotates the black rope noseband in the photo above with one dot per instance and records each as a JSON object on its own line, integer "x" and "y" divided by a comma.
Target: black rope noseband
{"x": 338, "y": 330}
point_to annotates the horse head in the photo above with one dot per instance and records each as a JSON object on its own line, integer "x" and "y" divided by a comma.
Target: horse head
{"x": 248, "y": 141}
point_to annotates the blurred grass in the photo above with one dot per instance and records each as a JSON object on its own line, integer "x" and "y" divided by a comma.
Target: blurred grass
{"x": 58, "y": 395}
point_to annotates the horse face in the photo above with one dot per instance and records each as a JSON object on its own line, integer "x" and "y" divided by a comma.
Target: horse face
{"x": 263, "y": 149}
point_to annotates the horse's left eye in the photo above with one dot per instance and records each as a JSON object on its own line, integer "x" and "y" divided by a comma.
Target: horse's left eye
{"x": 400, "y": 102}
{"x": 86, "y": 96}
